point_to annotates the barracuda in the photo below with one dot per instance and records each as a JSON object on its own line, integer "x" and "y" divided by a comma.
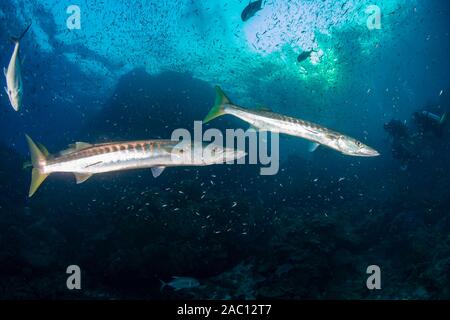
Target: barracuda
{"x": 13, "y": 74}
{"x": 84, "y": 160}
{"x": 265, "y": 120}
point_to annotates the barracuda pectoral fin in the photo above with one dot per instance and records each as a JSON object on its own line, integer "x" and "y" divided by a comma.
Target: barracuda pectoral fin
{"x": 156, "y": 171}
{"x": 82, "y": 177}
{"x": 313, "y": 146}
{"x": 5, "y": 71}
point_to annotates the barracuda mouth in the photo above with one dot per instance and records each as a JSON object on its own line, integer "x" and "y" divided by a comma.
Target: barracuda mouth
{"x": 366, "y": 152}
{"x": 374, "y": 153}
{"x": 352, "y": 147}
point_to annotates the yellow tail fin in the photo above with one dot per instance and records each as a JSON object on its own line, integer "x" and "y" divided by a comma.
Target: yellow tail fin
{"x": 218, "y": 109}
{"x": 38, "y": 159}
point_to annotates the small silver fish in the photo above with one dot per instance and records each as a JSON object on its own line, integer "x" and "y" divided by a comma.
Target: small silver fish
{"x": 180, "y": 283}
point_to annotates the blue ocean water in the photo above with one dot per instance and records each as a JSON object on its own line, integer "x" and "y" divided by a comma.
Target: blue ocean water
{"x": 99, "y": 72}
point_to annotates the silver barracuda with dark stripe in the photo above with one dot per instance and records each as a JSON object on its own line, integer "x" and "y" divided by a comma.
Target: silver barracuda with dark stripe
{"x": 84, "y": 159}
{"x": 266, "y": 120}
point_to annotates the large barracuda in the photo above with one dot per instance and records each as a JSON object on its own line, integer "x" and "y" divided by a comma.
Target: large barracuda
{"x": 84, "y": 160}
{"x": 265, "y": 120}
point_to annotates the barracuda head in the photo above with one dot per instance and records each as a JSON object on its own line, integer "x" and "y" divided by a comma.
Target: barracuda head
{"x": 353, "y": 147}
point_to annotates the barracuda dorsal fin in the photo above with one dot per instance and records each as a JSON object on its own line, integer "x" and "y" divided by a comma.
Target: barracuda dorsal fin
{"x": 156, "y": 171}
{"x": 82, "y": 177}
{"x": 79, "y": 145}
{"x": 75, "y": 147}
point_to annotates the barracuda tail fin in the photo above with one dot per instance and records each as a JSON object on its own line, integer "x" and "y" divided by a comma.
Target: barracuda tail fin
{"x": 38, "y": 158}
{"x": 219, "y": 106}
{"x": 17, "y": 39}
